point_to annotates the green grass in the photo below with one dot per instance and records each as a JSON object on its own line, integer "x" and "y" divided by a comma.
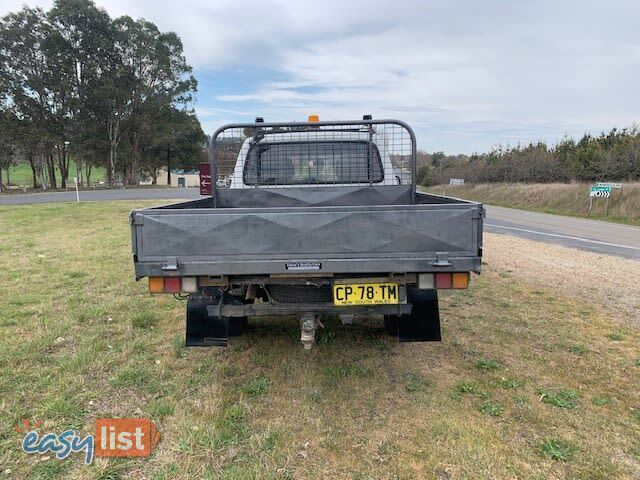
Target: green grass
{"x": 578, "y": 349}
{"x": 491, "y": 408}
{"x": 487, "y": 365}
{"x": 21, "y": 174}
{"x": 615, "y": 336}
{"x": 559, "y": 199}
{"x": 601, "y": 400}
{"x": 256, "y": 386}
{"x": 414, "y": 382}
{"x": 80, "y": 340}
{"x": 144, "y": 319}
{"x": 559, "y": 398}
{"x": 465, "y": 387}
{"x": 558, "y": 449}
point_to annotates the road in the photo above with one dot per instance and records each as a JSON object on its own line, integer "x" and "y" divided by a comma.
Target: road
{"x": 101, "y": 195}
{"x": 584, "y": 234}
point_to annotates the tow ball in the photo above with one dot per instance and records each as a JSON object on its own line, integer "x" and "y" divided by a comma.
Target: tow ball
{"x": 309, "y": 322}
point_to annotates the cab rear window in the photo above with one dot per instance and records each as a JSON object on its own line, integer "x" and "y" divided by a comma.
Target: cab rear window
{"x": 296, "y": 163}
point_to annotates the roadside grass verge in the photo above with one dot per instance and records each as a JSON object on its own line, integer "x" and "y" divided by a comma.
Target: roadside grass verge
{"x": 22, "y": 175}
{"x": 527, "y": 382}
{"x": 558, "y": 198}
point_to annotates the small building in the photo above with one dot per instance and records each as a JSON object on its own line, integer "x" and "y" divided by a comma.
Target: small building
{"x": 179, "y": 178}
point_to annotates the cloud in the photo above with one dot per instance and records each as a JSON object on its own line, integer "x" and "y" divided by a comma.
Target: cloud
{"x": 466, "y": 74}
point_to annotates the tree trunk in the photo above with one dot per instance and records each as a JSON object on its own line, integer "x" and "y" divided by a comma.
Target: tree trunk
{"x": 135, "y": 160}
{"x": 42, "y": 172}
{"x": 87, "y": 172}
{"x": 52, "y": 172}
{"x": 154, "y": 176}
{"x": 33, "y": 170}
{"x": 113, "y": 127}
{"x": 169, "y": 164}
{"x": 1, "y": 186}
{"x": 64, "y": 167}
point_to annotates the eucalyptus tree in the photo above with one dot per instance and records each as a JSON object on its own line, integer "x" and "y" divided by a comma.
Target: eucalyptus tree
{"x": 26, "y": 73}
{"x": 83, "y": 39}
{"x": 156, "y": 76}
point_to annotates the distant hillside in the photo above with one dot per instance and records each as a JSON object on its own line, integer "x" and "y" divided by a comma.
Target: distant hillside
{"x": 560, "y": 198}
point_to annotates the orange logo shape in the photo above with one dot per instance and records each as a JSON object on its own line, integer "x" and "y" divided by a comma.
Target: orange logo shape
{"x": 125, "y": 437}
{"x": 27, "y": 427}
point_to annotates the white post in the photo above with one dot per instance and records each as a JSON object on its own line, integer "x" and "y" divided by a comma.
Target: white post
{"x": 75, "y": 179}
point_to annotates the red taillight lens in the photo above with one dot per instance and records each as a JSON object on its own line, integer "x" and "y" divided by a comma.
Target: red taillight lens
{"x": 172, "y": 285}
{"x": 443, "y": 280}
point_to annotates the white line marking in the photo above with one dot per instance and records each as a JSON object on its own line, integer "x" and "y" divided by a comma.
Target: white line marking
{"x": 586, "y": 240}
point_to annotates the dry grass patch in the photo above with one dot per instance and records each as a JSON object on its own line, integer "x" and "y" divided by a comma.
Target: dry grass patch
{"x": 560, "y": 198}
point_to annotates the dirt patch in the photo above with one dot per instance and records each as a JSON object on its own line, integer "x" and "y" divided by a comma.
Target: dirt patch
{"x": 595, "y": 278}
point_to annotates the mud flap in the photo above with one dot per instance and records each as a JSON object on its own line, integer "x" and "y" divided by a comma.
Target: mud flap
{"x": 423, "y": 324}
{"x": 204, "y": 330}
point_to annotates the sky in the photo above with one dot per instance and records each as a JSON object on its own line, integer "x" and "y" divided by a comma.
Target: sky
{"x": 468, "y": 75}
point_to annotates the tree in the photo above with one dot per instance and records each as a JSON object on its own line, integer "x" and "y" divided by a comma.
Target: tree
{"x": 76, "y": 79}
{"x": 158, "y": 75}
{"x": 25, "y": 72}
{"x": 84, "y": 40}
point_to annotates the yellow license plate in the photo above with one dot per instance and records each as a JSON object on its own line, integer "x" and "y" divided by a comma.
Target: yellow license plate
{"x": 366, "y": 294}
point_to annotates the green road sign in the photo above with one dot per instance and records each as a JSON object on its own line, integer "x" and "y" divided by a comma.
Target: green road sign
{"x": 598, "y": 191}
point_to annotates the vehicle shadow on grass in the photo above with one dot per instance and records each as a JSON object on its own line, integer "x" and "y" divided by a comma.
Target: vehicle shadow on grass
{"x": 365, "y": 333}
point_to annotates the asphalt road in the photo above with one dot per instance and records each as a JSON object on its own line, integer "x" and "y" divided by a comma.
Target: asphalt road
{"x": 584, "y": 234}
{"x": 101, "y": 195}
{"x": 593, "y": 235}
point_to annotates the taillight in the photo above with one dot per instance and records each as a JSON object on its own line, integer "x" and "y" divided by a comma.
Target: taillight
{"x": 173, "y": 284}
{"x": 443, "y": 280}
{"x": 460, "y": 280}
{"x": 189, "y": 284}
{"x": 156, "y": 284}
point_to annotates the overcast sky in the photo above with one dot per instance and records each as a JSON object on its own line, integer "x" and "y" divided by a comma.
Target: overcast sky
{"x": 467, "y": 75}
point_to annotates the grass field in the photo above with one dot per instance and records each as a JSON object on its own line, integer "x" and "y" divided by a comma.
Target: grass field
{"x": 21, "y": 174}
{"x": 559, "y": 198}
{"x": 529, "y": 382}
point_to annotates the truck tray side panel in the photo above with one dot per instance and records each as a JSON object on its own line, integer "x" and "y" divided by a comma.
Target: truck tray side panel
{"x": 226, "y": 241}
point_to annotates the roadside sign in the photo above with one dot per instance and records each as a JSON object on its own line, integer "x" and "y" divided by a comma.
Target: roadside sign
{"x": 205, "y": 178}
{"x": 607, "y": 184}
{"x": 600, "y": 191}
{"x": 456, "y": 181}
